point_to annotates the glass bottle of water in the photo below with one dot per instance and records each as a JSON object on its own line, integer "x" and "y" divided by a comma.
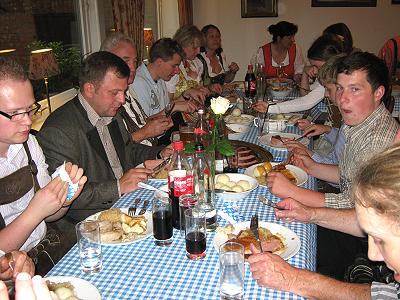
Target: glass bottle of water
{"x": 204, "y": 187}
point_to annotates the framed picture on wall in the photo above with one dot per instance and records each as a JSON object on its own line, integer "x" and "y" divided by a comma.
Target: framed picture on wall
{"x": 395, "y": 1}
{"x": 259, "y": 8}
{"x": 344, "y": 3}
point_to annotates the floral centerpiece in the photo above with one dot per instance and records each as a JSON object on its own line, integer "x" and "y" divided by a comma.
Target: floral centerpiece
{"x": 219, "y": 142}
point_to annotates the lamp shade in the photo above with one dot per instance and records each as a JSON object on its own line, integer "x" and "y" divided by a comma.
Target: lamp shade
{"x": 43, "y": 64}
{"x": 148, "y": 36}
{"x": 6, "y": 51}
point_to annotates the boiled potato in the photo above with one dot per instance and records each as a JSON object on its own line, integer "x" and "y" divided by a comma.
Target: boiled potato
{"x": 237, "y": 189}
{"x": 244, "y": 184}
{"x": 267, "y": 166}
{"x": 223, "y": 179}
{"x": 219, "y": 185}
{"x": 259, "y": 171}
{"x": 236, "y": 112}
{"x": 230, "y": 184}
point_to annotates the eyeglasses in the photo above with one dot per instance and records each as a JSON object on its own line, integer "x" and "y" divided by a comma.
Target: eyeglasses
{"x": 19, "y": 116}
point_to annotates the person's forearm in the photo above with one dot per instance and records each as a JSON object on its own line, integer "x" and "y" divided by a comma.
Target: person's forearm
{"x": 325, "y": 172}
{"x": 57, "y": 215}
{"x": 316, "y": 286}
{"x": 304, "y": 85}
{"x": 343, "y": 220}
{"x": 308, "y": 197}
{"x": 139, "y": 135}
{"x": 15, "y": 234}
{"x": 229, "y": 76}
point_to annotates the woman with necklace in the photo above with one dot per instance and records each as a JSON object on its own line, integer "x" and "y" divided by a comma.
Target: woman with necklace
{"x": 282, "y": 57}
{"x": 216, "y": 69}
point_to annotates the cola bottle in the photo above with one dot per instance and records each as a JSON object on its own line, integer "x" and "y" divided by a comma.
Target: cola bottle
{"x": 180, "y": 180}
{"x": 250, "y": 89}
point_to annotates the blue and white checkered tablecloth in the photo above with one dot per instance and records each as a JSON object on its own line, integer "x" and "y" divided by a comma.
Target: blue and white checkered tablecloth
{"x": 142, "y": 270}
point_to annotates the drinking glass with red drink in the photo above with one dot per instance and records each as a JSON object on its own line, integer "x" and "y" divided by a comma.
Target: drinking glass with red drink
{"x": 195, "y": 233}
{"x": 162, "y": 221}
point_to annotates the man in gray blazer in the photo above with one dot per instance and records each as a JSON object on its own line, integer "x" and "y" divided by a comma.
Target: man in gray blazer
{"x": 87, "y": 130}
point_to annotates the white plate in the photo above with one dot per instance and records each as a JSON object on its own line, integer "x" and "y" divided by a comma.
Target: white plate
{"x": 149, "y": 231}
{"x": 291, "y": 239}
{"x": 300, "y": 174}
{"x": 266, "y": 139}
{"x": 83, "y": 289}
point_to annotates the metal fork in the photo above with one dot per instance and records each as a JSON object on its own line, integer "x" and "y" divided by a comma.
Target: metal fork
{"x": 254, "y": 229}
{"x": 132, "y": 210}
{"x": 268, "y": 202}
{"x": 143, "y": 210}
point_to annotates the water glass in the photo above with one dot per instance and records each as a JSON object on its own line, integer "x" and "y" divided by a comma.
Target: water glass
{"x": 186, "y": 201}
{"x": 162, "y": 221}
{"x": 88, "y": 238}
{"x": 195, "y": 233}
{"x": 231, "y": 267}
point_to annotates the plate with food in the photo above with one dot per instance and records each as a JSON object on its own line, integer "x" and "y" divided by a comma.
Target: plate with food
{"x": 259, "y": 171}
{"x": 276, "y": 141}
{"x": 274, "y": 238}
{"x": 71, "y": 288}
{"x": 117, "y": 228}
{"x": 290, "y": 118}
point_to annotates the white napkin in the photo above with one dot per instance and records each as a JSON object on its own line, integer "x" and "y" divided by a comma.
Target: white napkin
{"x": 72, "y": 187}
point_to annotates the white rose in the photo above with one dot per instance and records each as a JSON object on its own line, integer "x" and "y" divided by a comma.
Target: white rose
{"x": 219, "y": 105}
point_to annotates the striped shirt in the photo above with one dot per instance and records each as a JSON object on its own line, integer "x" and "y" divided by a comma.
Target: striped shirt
{"x": 16, "y": 159}
{"x": 384, "y": 291}
{"x": 375, "y": 133}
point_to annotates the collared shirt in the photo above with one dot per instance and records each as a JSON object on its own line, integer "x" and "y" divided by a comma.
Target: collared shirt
{"x": 101, "y": 125}
{"x": 152, "y": 95}
{"x": 16, "y": 159}
{"x": 336, "y": 138}
{"x": 375, "y": 133}
{"x": 384, "y": 291}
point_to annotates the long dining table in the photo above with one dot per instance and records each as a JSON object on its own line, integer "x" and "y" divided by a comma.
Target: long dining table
{"x": 142, "y": 270}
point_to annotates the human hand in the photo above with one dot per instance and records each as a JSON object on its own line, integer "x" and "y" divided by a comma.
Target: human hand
{"x": 28, "y": 289}
{"x": 311, "y": 71}
{"x": 271, "y": 271}
{"x": 291, "y": 145}
{"x": 129, "y": 181}
{"x": 261, "y": 106}
{"x": 289, "y": 210}
{"x": 303, "y": 123}
{"x": 196, "y": 94}
{"x": 49, "y": 199}
{"x": 215, "y": 88}
{"x": 185, "y": 106}
{"x": 303, "y": 160}
{"x": 316, "y": 129}
{"x": 233, "y": 67}
{"x": 228, "y": 87}
{"x": 157, "y": 125}
{"x": 19, "y": 262}
{"x": 167, "y": 151}
{"x": 279, "y": 185}
{"x": 76, "y": 175}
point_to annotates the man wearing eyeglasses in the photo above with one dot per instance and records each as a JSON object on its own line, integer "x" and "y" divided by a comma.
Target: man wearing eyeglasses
{"x": 28, "y": 195}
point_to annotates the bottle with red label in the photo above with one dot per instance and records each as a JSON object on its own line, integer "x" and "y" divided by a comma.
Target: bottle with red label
{"x": 204, "y": 187}
{"x": 202, "y": 129}
{"x": 180, "y": 180}
{"x": 250, "y": 83}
